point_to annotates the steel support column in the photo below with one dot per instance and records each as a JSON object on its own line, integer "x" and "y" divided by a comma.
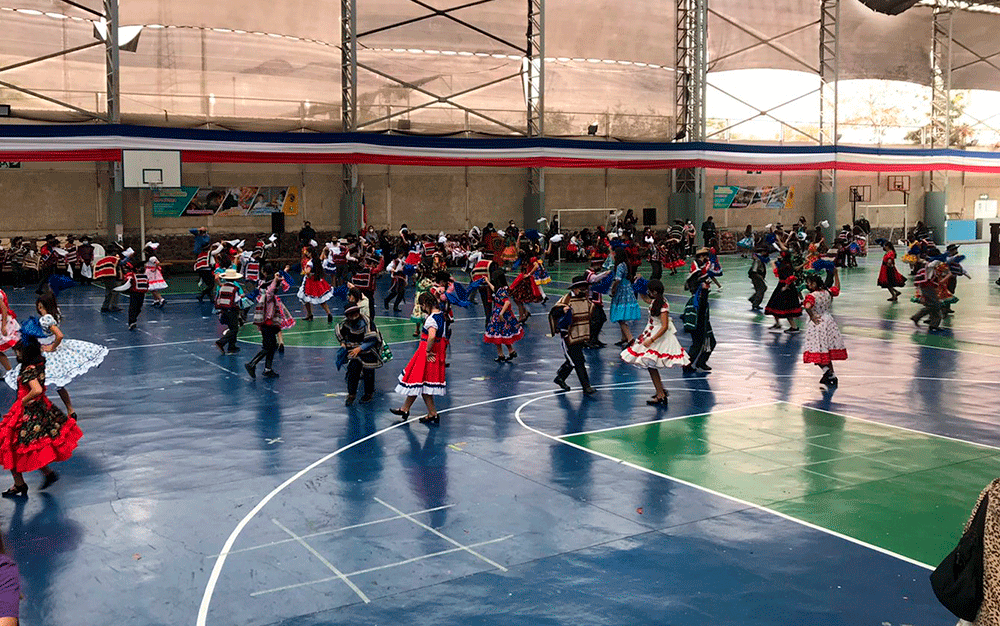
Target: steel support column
{"x": 690, "y": 80}
{"x": 829, "y": 74}
{"x": 690, "y": 89}
{"x": 534, "y": 98}
{"x": 114, "y": 115}
{"x": 349, "y": 213}
{"x": 941, "y": 61}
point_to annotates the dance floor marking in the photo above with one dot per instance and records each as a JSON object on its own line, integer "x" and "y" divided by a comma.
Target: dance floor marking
{"x": 346, "y": 577}
{"x": 227, "y": 549}
{"x": 898, "y": 490}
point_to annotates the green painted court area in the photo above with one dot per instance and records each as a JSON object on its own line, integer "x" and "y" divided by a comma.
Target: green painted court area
{"x": 903, "y": 491}
{"x": 318, "y": 333}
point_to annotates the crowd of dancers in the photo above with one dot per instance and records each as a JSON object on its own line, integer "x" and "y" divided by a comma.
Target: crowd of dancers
{"x": 508, "y": 269}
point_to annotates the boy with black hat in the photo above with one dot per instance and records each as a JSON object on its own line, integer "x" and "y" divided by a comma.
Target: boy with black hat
{"x": 136, "y": 284}
{"x": 363, "y": 345}
{"x": 760, "y": 258}
{"x": 696, "y": 313}
{"x": 47, "y": 259}
{"x": 597, "y": 316}
{"x": 573, "y": 314}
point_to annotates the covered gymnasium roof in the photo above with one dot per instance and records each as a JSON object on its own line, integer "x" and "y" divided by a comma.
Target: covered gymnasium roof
{"x": 265, "y": 65}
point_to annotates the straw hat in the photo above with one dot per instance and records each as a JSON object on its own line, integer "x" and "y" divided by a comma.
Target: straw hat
{"x": 231, "y": 274}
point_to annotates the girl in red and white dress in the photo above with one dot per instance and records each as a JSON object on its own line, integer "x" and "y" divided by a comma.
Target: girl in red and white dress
{"x": 889, "y": 277}
{"x": 154, "y": 274}
{"x": 657, "y": 346}
{"x": 9, "y": 330}
{"x": 424, "y": 375}
{"x": 823, "y": 343}
{"x": 314, "y": 288}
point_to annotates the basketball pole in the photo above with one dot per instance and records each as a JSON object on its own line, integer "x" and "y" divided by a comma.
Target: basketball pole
{"x": 142, "y": 222}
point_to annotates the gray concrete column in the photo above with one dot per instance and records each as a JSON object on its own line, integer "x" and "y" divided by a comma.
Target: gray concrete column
{"x": 350, "y": 212}
{"x": 686, "y": 206}
{"x": 826, "y": 209}
{"x": 534, "y": 210}
{"x": 934, "y": 214}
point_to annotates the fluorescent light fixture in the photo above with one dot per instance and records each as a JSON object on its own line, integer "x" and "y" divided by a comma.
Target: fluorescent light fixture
{"x": 128, "y": 36}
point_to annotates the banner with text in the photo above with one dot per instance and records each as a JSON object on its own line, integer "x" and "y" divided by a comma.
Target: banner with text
{"x": 225, "y": 201}
{"x": 736, "y": 197}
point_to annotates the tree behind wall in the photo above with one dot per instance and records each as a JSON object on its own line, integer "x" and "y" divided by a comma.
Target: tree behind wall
{"x": 962, "y": 134}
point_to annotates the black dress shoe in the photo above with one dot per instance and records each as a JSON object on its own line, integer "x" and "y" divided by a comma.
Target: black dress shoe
{"x": 50, "y": 478}
{"x": 400, "y": 412}
{"x": 16, "y": 491}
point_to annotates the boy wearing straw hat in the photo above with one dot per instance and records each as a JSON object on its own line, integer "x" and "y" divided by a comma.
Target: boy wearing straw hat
{"x": 228, "y": 302}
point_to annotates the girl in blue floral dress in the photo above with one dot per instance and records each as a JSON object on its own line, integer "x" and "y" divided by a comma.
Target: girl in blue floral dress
{"x": 624, "y": 305}
{"x": 503, "y": 328}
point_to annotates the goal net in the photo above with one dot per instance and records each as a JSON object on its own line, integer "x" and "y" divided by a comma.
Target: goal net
{"x": 891, "y": 216}
{"x": 575, "y": 220}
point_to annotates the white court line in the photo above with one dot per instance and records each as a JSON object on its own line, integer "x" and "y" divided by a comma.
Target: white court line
{"x": 378, "y": 568}
{"x": 323, "y": 560}
{"x": 440, "y": 534}
{"x": 337, "y": 530}
{"x": 520, "y": 420}
{"x": 899, "y": 377}
{"x": 213, "y": 578}
{"x": 671, "y": 419}
{"x": 909, "y": 430}
{"x": 157, "y": 345}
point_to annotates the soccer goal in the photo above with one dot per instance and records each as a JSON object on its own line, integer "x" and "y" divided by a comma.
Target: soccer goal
{"x": 891, "y": 216}
{"x": 577, "y": 219}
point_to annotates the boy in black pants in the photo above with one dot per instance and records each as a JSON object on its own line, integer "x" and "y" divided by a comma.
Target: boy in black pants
{"x": 573, "y": 313}
{"x": 757, "y": 272}
{"x": 228, "y": 302}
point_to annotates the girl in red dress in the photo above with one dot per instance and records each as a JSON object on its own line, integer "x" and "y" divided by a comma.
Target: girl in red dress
{"x": 315, "y": 289}
{"x": 889, "y": 277}
{"x": 424, "y": 375}
{"x": 34, "y": 432}
{"x": 524, "y": 289}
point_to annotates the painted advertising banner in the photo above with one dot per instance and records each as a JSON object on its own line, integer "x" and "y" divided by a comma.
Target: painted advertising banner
{"x": 736, "y": 197}
{"x": 225, "y": 201}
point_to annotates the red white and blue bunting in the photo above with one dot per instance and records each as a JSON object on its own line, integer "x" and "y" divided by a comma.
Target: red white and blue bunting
{"x": 105, "y": 143}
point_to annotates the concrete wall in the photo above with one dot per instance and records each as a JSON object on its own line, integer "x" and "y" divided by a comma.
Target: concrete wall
{"x": 71, "y": 197}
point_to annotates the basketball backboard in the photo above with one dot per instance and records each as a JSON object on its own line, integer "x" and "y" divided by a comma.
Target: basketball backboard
{"x": 861, "y": 193}
{"x": 898, "y": 183}
{"x": 149, "y": 169}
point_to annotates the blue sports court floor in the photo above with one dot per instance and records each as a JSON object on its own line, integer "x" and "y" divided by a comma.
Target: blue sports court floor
{"x": 200, "y": 497}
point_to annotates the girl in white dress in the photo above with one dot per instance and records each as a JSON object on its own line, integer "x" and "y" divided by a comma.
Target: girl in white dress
{"x": 657, "y": 346}
{"x": 65, "y": 359}
{"x": 9, "y": 330}
{"x": 823, "y": 343}
{"x": 154, "y": 274}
